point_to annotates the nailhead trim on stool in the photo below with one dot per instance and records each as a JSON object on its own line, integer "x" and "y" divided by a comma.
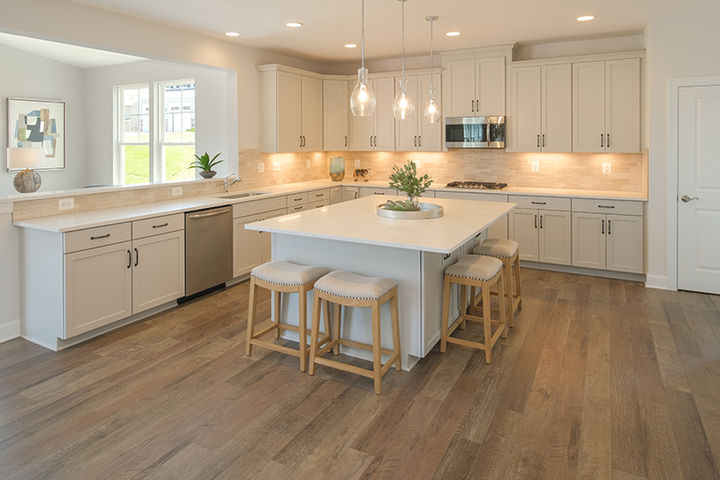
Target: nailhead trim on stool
{"x": 508, "y": 252}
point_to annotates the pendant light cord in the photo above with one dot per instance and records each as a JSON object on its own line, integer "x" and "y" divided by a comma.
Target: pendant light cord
{"x": 362, "y": 33}
{"x": 432, "y": 77}
{"x": 403, "y": 41}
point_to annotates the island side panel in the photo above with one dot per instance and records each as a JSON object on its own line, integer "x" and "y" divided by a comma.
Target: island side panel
{"x": 401, "y": 265}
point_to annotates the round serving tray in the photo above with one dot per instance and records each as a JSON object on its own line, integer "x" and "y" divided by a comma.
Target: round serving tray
{"x": 427, "y": 210}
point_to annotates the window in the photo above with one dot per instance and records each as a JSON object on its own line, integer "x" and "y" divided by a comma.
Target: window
{"x": 155, "y": 132}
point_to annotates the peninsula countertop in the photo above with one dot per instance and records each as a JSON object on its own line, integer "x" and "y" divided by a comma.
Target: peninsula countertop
{"x": 357, "y": 222}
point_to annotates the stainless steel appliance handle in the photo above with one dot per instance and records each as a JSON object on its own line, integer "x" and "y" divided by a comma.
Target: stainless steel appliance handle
{"x": 211, "y": 214}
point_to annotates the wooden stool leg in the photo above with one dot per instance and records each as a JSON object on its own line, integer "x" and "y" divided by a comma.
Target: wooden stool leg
{"x": 396, "y": 329}
{"x": 473, "y": 294}
{"x": 251, "y": 317}
{"x": 463, "y": 305}
{"x": 327, "y": 319}
{"x": 507, "y": 273}
{"x": 276, "y": 300}
{"x": 336, "y": 327}
{"x": 502, "y": 306}
{"x": 315, "y": 327}
{"x": 487, "y": 324}
{"x": 377, "y": 359}
{"x": 302, "y": 330}
{"x": 445, "y": 313}
{"x": 517, "y": 284}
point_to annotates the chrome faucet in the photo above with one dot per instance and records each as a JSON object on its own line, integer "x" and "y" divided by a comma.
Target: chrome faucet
{"x": 231, "y": 180}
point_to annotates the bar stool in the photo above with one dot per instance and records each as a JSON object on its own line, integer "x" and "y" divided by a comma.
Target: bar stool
{"x": 283, "y": 277}
{"x": 507, "y": 251}
{"x": 352, "y": 290}
{"x": 479, "y": 272}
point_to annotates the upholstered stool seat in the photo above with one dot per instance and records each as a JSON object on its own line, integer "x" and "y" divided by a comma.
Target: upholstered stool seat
{"x": 497, "y": 247}
{"x": 475, "y": 271}
{"x": 283, "y": 277}
{"x": 507, "y": 251}
{"x": 349, "y": 289}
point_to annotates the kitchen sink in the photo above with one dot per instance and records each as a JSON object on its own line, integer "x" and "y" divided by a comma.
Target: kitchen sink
{"x": 242, "y": 195}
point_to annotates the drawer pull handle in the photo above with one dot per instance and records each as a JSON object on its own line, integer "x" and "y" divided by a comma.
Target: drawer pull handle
{"x": 299, "y": 199}
{"x": 378, "y": 193}
{"x": 137, "y": 257}
{"x": 606, "y": 206}
{"x": 539, "y": 203}
{"x": 129, "y": 259}
{"x": 161, "y": 225}
{"x": 319, "y": 195}
{"x": 300, "y": 207}
{"x": 107, "y": 235}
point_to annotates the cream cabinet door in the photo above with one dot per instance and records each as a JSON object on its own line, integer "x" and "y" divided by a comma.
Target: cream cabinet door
{"x": 289, "y": 111}
{"x": 622, "y": 106}
{"x": 384, "y": 119}
{"x": 98, "y": 288}
{"x": 526, "y": 113}
{"x": 554, "y": 237}
{"x": 246, "y": 246}
{"x": 459, "y": 89}
{"x": 524, "y": 230}
{"x": 349, "y": 193}
{"x": 312, "y": 114}
{"x": 266, "y": 237}
{"x": 625, "y": 243}
{"x": 490, "y": 86}
{"x": 430, "y": 133}
{"x": 336, "y": 106}
{"x": 556, "y": 108}
{"x": 406, "y": 131}
{"x": 362, "y": 133}
{"x": 588, "y": 107}
{"x": 588, "y": 240}
{"x": 158, "y": 270}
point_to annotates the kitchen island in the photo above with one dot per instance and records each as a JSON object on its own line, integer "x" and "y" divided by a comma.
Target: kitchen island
{"x": 414, "y": 253}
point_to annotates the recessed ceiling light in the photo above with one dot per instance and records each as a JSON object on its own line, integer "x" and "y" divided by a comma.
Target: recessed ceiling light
{"x": 452, "y": 34}
{"x": 351, "y": 45}
{"x": 586, "y": 18}
{"x": 293, "y": 24}
{"x": 232, "y": 34}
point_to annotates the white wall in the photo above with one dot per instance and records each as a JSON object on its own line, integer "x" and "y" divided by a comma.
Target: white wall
{"x": 30, "y": 76}
{"x": 676, "y": 47}
{"x": 215, "y": 112}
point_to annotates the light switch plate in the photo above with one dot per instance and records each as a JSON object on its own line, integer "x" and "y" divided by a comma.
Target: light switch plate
{"x": 276, "y": 165}
{"x": 66, "y": 203}
{"x": 606, "y": 167}
{"x": 357, "y": 163}
{"x": 261, "y": 167}
{"x": 535, "y": 166}
{"x": 177, "y": 191}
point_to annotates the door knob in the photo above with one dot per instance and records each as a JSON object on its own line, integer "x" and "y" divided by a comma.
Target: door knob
{"x": 686, "y": 199}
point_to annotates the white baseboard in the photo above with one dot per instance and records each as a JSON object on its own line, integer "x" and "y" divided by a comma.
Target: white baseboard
{"x": 661, "y": 282}
{"x": 634, "y": 277}
{"x": 9, "y": 330}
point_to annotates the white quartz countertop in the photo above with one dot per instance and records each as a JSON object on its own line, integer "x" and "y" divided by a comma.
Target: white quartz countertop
{"x": 356, "y": 221}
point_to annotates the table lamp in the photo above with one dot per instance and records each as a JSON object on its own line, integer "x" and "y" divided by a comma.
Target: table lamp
{"x": 26, "y": 158}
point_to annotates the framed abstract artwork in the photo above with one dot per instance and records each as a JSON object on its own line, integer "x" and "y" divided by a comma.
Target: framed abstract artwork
{"x": 38, "y": 123}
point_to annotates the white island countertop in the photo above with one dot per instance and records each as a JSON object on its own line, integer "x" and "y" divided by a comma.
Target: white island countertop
{"x": 356, "y": 221}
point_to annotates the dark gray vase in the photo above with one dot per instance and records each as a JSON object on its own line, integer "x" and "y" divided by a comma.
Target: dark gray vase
{"x": 209, "y": 174}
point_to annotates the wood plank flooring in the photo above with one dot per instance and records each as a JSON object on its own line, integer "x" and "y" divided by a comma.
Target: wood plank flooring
{"x": 599, "y": 379}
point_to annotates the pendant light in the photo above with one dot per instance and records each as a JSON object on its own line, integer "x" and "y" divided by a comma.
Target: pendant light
{"x": 403, "y": 106}
{"x": 362, "y": 100}
{"x": 432, "y": 105}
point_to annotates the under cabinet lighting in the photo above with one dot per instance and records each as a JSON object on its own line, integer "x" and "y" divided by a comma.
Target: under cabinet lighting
{"x": 452, "y": 34}
{"x": 232, "y": 34}
{"x": 351, "y": 45}
{"x": 294, "y": 24}
{"x": 586, "y": 18}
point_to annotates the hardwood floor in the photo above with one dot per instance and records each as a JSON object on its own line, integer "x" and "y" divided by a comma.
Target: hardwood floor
{"x": 599, "y": 379}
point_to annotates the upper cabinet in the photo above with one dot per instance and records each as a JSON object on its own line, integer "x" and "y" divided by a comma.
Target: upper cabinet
{"x": 336, "y": 113}
{"x": 416, "y": 133}
{"x": 377, "y": 132}
{"x": 291, "y": 112}
{"x": 474, "y": 86}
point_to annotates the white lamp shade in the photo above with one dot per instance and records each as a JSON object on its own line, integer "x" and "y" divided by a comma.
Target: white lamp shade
{"x": 25, "y": 157}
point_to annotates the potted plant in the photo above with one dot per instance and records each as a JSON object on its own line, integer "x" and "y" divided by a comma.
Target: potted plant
{"x": 205, "y": 164}
{"x": 406, "y": 180}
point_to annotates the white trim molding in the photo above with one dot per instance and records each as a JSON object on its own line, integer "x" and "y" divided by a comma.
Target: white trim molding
{"x": 9, "y": 330}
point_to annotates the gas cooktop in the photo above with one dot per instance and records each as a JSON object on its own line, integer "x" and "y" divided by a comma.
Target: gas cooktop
{"x": 477, "y": 185}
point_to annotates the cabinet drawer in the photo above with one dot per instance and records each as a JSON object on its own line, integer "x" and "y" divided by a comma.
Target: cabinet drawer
{"x": 318, "y": 195}
{"x": 296, "y": 208}
{"x": 368, "y": 191}
{"x": 157, "y": 225}
{"x": 258, "y": 206}
{"x": 616, "y": 207}
{"x": 297, "y": 199}
{"x": 543, "y": 203}
{"x": 318, "y": 204}
{"x": 484, "y": 197}
{"x": 97, "y": 237}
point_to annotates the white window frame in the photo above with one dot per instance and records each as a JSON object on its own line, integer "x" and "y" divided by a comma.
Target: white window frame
{"x": 119, "y": 164}
{"x": 160, "y": 125}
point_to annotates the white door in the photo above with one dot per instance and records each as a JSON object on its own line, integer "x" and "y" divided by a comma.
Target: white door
{"x": 312, "y": 114}
{"x": 554, "y": 237}
{"x": 699, "y": 181}
{"x": 459, "y": 89}
{"x": 525, "y": 118}
{"x": 384, "y": 118}
{"x": 406, "y": 131}
{"x": 289, "y": 107}
{"x": 524, "y": 230}
{"x": 588, "y": 240}
{"x": 336, "y": 104}
{"x": 557, "y": 108}
{"x": 98, "y": 287}
{"x": 158, "y": 270}
{"x": 625, "y": 243}
{"x": 588, "y": 107}
{"x": 430, "y": 133}
{"x": 622, "y": 106}
{"x": 490, "y": 86}
{"x": 246, "y": 245}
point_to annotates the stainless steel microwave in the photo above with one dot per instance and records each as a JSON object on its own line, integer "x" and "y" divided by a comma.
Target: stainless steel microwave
{"x": 475, "y": 132}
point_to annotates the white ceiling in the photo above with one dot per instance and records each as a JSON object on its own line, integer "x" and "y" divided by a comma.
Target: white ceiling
{"x": 80, "y": 57}
{"x": 329, "y": 24}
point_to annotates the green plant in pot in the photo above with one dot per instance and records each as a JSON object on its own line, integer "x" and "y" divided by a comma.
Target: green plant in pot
{"x": 405, "y": 179}
{"x": 205, "y": 164}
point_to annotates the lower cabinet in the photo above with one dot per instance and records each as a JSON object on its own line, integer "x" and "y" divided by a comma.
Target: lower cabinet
{"x": 158, "y": 270}
{"x": 349, "y": 193}
{"x": 251, "y": 248}
{"x": 543, "y": 235}
{"x": 497, "y": 230}
{"x": 608, "y": 242}
{"x": 369, "y": 191}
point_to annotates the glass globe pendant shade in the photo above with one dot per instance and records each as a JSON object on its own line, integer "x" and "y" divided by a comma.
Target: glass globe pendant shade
{"x": 362, "y": 100}
{"x": 403, "y": 106}
{"x": 432, "y": 108}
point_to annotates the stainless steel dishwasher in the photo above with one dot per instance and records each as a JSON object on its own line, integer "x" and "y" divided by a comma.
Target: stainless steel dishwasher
{"x": 208, "y": 249}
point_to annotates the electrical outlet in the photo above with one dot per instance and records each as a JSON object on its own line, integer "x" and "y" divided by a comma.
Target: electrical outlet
{"x": 357, "y": 163}
{"x": 66, "y": 203}
{"x": 308, "y": 164}
{"x": 606, "y": 167}
{"x": 177, "y": 191}
{"x": 535, "y": 167}
{"x": 276, "y": 165}
{"x": 261, "y": 167}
